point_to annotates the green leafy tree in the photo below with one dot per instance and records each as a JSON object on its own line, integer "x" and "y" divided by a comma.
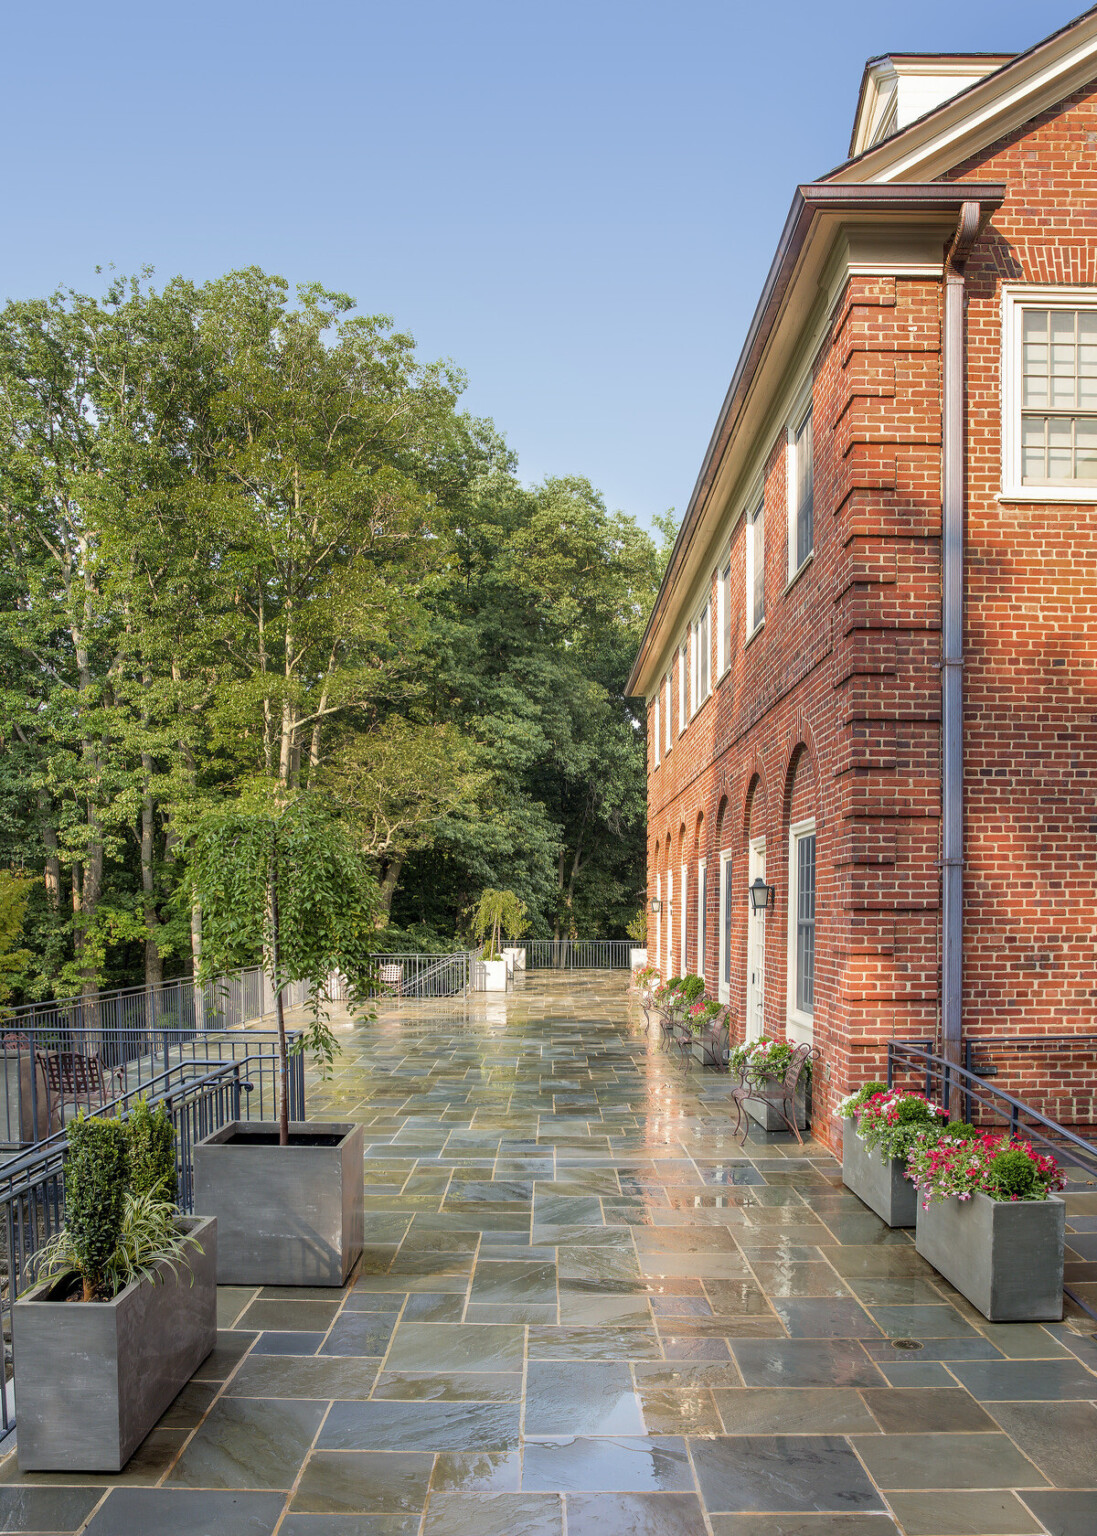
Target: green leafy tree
{"x": 286, "y": 881}
{"x": 498, "y": 913}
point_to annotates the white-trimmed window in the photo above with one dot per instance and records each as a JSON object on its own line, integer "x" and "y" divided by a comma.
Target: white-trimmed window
{"x": 701, "y": 653}
{"x": 1049, "y": 393}
{"x": 756, "y": 567}
{"x": 668, "y": 713}
{"x": 683, "y": 695}
{"x": 801, "y": 922}
{"x": 801, "y": 491}
{"x": 727, "y": 901}
{"x": 723, "y": 619}
{"x": 702, "y": 925}
{"x": 656, "y": 728}
{"x": 683, "y": 883}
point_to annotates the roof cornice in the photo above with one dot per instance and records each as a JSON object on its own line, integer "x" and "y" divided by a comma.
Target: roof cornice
{"x": 809, "y": 203}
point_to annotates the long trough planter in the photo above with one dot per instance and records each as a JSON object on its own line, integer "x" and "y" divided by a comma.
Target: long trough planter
{"x": 92, "y": 1378}
{"x": 286, "y": 1215}
{"x": 880, "y": 1182}
{"x": 1005, "y": 1256}
{"x": 769, "y": 1117}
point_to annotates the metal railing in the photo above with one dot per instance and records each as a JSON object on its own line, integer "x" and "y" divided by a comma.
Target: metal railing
{"x": 200, "y": 1097}
{"x": 410, "y": 975}
{"x": 577, "y": 954}
{"x": 982, "y": 1103}
{"x": 50, "y": 1071}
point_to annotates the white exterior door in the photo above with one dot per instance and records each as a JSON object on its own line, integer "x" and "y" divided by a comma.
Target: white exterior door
{"x": 725, "y": 928}
{"x": 669, "y": 972}
{"x": 702, "y": 915}
{"x": 756, "y": 949}
{"x": 683, "y": 953}
{"x": 659, "y": 920}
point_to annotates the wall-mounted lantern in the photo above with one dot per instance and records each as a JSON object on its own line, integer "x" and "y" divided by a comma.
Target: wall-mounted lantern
{"x": 656, "y": 905}
{"x": 761, "y": 895}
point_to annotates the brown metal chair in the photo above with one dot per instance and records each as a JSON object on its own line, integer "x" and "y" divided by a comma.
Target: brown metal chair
{"x": 82, "y": 1081}
{"x": 782, "y": 1096}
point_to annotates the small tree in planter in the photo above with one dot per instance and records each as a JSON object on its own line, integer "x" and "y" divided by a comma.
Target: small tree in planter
{"x": 989, "y": 1221}
{"x": 288, "y": 881}
{"x": 886, "y": 1125}
{"x": 498, "y": 913}
{"x": 147, "y": 1275}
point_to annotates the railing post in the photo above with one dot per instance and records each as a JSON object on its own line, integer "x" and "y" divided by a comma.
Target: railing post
{"x": 891, "y": 1064}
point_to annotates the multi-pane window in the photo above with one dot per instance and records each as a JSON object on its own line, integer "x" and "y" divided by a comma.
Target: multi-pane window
{"x": 683, "y": 670}
{"x": 803, "y": 850}
{"x": 756, "y": 567}
{"x": 656, "y": 729}
{"x": 724, "y": 601}
{"x": 702, "y": 903}
{"x": 801, "y": 494}
{"x": 700, "y": 680}
{"x": 729, "y": 897}
{"x": 1059, "y": 396}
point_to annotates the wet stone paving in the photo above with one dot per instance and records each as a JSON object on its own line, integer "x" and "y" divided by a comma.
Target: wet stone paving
{"x": 584, "y": 1310}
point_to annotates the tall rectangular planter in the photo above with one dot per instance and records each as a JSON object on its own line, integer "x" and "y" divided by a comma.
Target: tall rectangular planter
{"x": 286, "y": 1215}
{"x": 92, "y": 1378}
{"x": 879, "y": 1182}
{"x": 771, "y": 1118}
{"x": 1005, "y": 1256}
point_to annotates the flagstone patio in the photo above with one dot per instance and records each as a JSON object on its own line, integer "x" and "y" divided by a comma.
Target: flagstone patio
{"x": 584, "y": 1309}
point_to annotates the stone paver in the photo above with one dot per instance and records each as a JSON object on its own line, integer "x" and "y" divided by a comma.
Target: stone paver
{"x": 583, "y": 1307}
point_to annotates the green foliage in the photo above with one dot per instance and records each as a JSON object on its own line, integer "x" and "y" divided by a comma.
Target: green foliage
{"x": 149, "y": 1236}
{"x": 152, "y": 1151}
{"x": 15, "y": 891}
{"x": 849, "y": 1107}
{"x": 498, "y": 913}
{"x": 1013, "y": 1175}
{"x": 637, "y": 926}
{"x": 96, "y": 1178}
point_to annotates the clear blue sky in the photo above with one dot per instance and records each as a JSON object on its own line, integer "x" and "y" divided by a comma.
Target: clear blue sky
{"x": 575, "y": 201}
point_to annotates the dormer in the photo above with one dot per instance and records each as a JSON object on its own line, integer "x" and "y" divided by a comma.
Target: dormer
{"x": 899, "y": 88}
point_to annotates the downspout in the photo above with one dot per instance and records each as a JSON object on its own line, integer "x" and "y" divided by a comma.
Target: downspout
{"x": 954, "y": 467}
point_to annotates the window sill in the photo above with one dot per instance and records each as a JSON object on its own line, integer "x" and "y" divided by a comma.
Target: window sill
{"x": 1026, "y": 495}
{"x": 800, "y": 1020}
{"x": 755, "y": 632}
{"x": 795, "y": 577}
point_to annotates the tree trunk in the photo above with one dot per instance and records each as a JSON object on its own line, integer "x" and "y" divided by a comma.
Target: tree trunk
{"x": 52, "y": 870}
{"x": 389, "y": 881}
{"x": 154, "y": 965}
{"x": 283, "y": 1058}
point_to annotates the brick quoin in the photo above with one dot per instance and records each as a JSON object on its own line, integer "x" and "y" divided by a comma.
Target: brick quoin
{"x": 833, "y": 709}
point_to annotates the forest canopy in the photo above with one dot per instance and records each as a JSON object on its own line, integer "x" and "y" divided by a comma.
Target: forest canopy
{"x": 254, "y": 550}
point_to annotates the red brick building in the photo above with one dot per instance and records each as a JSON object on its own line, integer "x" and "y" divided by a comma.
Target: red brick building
{"x": 871, "y": 671}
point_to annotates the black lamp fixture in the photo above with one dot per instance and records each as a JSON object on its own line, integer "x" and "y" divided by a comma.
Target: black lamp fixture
{"x": 761, "y": 894}
{"x": 656, "y": 905}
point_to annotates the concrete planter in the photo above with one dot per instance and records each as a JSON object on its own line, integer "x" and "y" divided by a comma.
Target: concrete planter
{"x": 286, "y": 1215}
{"x": 490, "y": 975}
{"x": 879, "y": 1182}
{"x": 711, "y": 1048}
{"x": 91, "y": 1379}
{"x": 515, "y": 955}
{"x": 769, "y": 1117}
{"x": 1005, "y": 1256}
{"x": 637, "y": 958}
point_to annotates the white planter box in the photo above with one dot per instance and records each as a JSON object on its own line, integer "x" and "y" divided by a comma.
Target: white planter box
{"x": 490, "y": 976}
{"x": 636, "y": 958}
{"x": 1005, "y": 1256}
{"x": 515, "y": 954}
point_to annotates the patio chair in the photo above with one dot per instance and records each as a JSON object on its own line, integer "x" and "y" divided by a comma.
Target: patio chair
{"x": 391, "y": 977}
{"x": 82, "y": 1081}
{"x": 782, "y": 1095}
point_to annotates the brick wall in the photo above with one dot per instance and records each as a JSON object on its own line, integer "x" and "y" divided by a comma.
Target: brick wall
{"x": 833, "y": 708}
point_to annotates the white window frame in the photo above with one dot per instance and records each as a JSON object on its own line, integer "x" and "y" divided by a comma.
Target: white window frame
{"x": 752, "y": 552}
{"x": 723, "y": 617}
{"x": 668, "y": 713}
{"x": 700, "y": 653}
{"x": 723, "y": 948}
{"x": 702, "y": 926}
{"x": 683, "y": 907}
{"x": 659, "y": 921}
{"x": 683, "y": 681}
{"x": 796, "y": 423}
{"x": 800, "y": 1023}
{"x": 1016, "y": 297}
{"x": 656, "y": 727}
{"x": 670, "y": 920}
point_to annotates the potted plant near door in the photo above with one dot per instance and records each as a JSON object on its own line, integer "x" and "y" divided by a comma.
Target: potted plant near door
{"x": 289, "y": 883}
{"x": 125, "y": 1308}
{"x": 765, "y": 1062}
{"x": 988, "y": 1221}
{"x": 708, "y": 1023}
{"x": 882, "y": 1125}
